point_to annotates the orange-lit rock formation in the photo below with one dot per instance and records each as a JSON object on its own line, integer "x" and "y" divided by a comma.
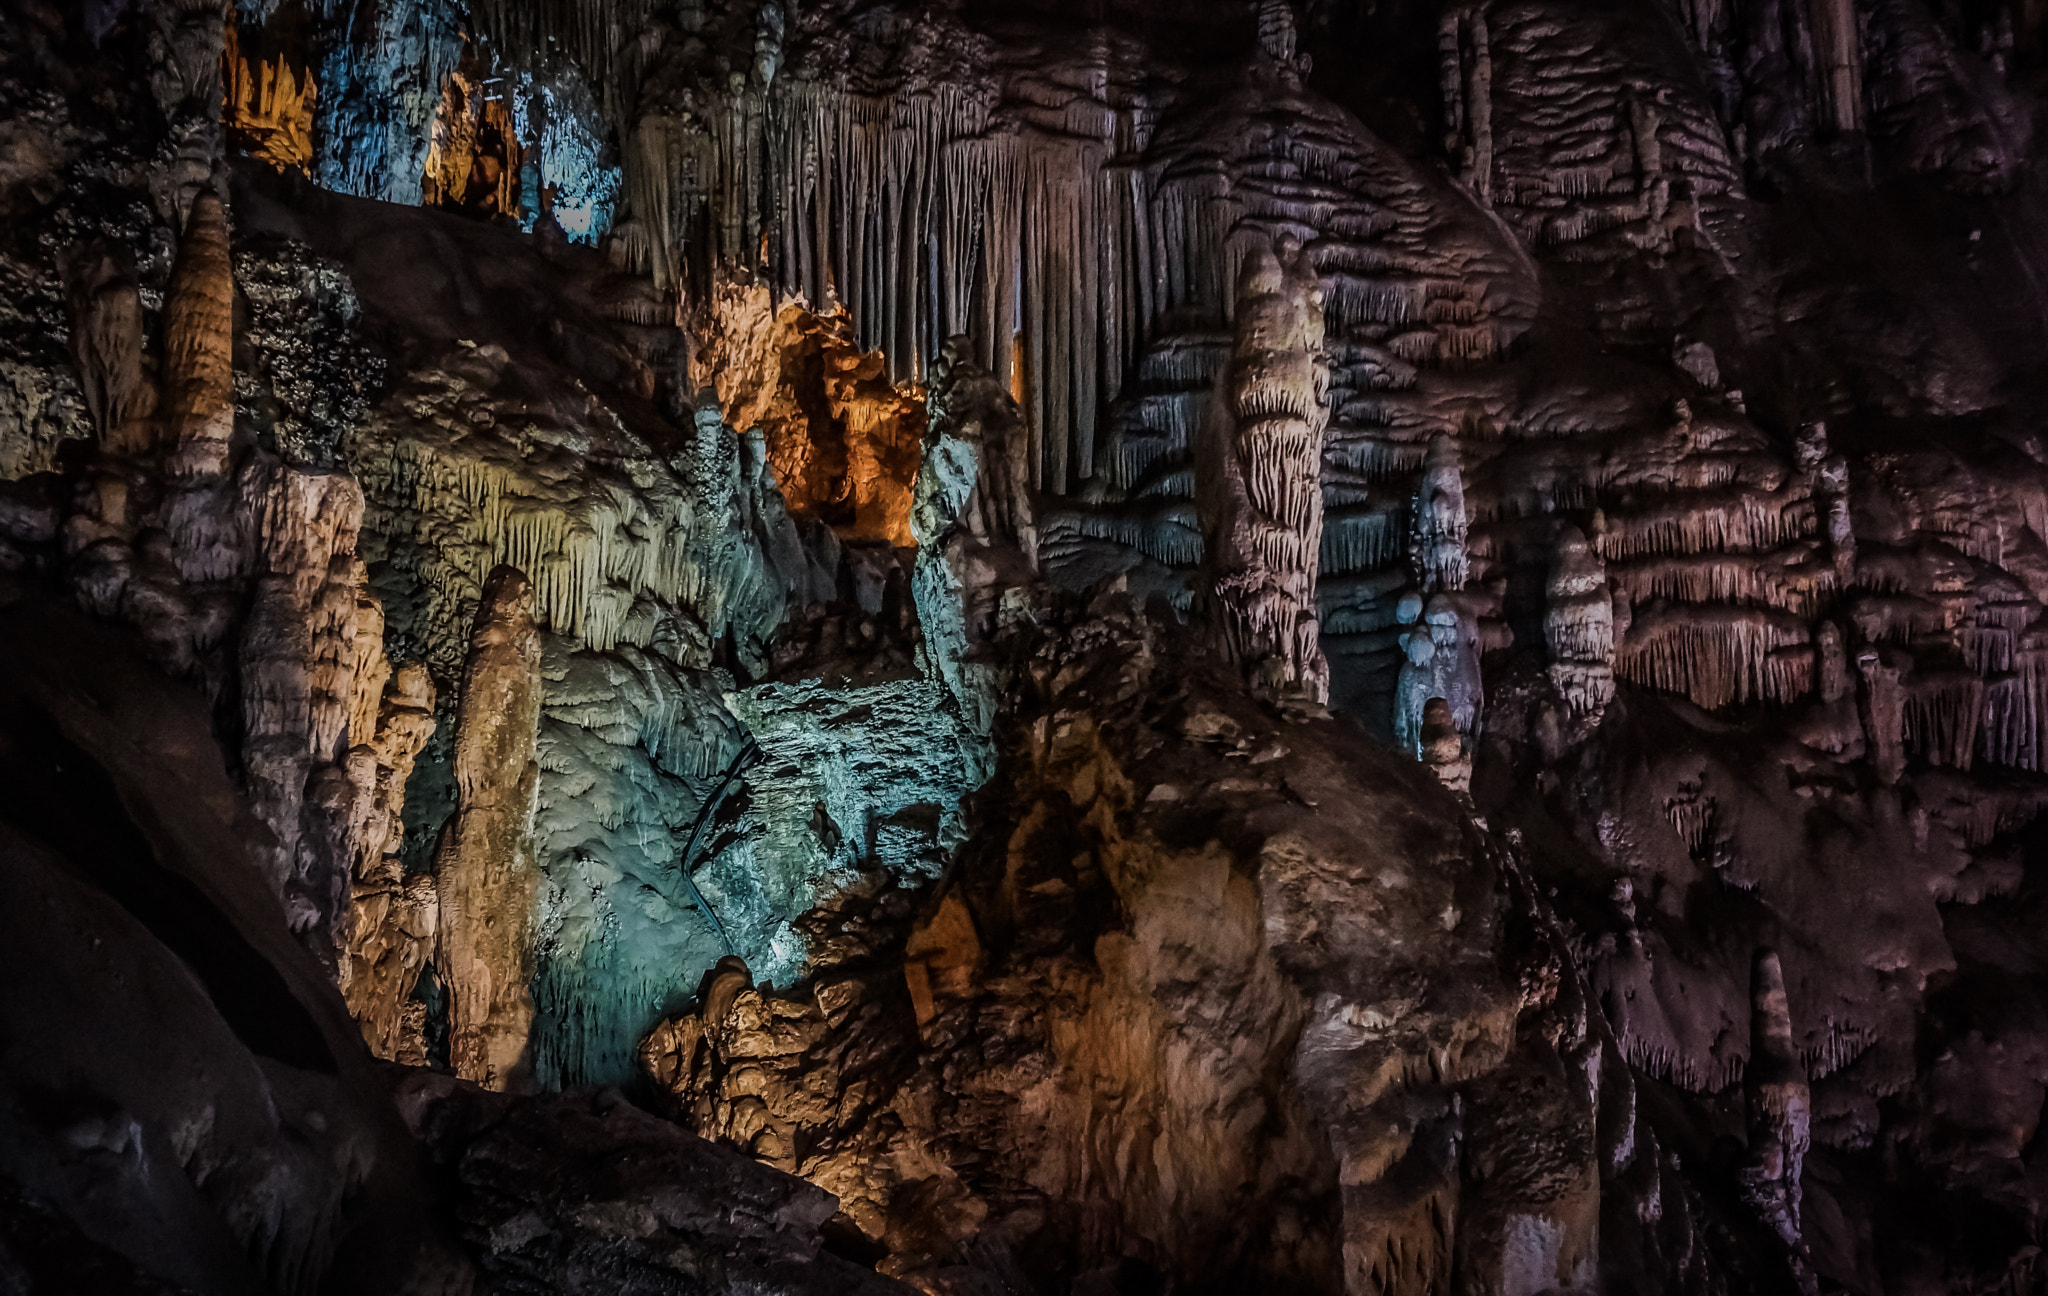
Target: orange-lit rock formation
{"x": 488, "y": 883}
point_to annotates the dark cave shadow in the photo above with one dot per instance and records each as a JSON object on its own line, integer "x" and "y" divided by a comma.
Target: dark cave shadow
{"x": 53, "y": 792}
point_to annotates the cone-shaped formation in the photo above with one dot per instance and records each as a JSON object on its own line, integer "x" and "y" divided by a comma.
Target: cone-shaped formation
{"x": 199, "y": 367}
{"x": 489, "y": 882}
{"x": 1779, "y": 1102}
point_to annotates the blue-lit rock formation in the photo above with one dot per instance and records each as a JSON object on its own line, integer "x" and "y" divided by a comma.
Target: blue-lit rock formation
{"x": 380, "y": 83}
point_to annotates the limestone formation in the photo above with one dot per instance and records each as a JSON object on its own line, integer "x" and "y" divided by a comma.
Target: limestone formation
{"x": 1578, "y": 626}
{"x": 198, "y": 364}
{"x": 1259, "y": 477}
{"x": 393, "y": 916}
{"x": 1780, "y": 1106}
{"x": 1228, "y": 646}
{"x": 486, "y": 878}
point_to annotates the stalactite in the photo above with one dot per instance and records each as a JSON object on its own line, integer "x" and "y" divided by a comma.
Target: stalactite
{"x": 1364, "y": 537}
{"x": 2014, "y": 730}
{"x": 486, "y": 873}
{"x": 967, "y": 207}
{"x": 1718, "y": 655}
{"x": 1790, "y": 580}
{"x": 269, "y": 111}
{"x": 597, "y": 35}
{"x": 460, "y": 172}
{"x": 380, "y": 86}
{"x": 1838, "y": 59}
{"x": 1944, "y": 714}
{"x": 1260, "y": 477}
{"x": 1882, "y": 705}
{"x": 1729, "y": 521}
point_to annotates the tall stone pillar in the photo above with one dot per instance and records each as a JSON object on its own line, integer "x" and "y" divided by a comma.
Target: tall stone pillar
{"x": 489, "y": 881}
{"x": 1259, "y": 478}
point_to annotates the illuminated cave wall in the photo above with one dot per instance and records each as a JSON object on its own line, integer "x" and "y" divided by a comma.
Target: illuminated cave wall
{"x": 402, "y": 101}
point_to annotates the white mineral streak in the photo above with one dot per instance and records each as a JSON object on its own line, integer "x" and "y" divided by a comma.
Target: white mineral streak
{"x": 1259, "y": 477}
{"x": 486, "y": 874}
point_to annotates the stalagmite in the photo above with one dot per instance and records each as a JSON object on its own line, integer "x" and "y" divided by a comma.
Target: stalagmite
{"x": 1578, "y": 624}
{"x": 977, "y": 536}
{"x": 1780, "y": 1108}
{"x": 185, "y": 48}
{"x": 1478, "y": 168}
{"x": 967, "y": 402}
{"x": 1827, "y": 475}
{"x": 486, "y": 874}
{"x": 1443, "y": 747}
{"x": 198, "y": 367}
{"x": 1259, "y": 477}
{"x": 1883, "y": 707}
{"x": 390, "y": 936}
{"x": 1467, "y": 71}
{"x": 1440, "y": 523}
{"x": 297, "y": 668}
{"x": 1838, "y": 52}
{"x": 106, "y": 345}
{"x": 1442, "y": 664}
